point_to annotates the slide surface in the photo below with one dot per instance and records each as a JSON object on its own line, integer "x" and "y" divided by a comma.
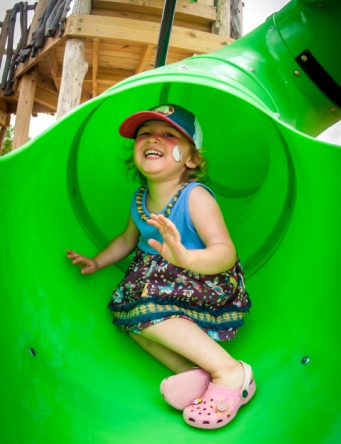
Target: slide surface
{"x": 69, "y": 376}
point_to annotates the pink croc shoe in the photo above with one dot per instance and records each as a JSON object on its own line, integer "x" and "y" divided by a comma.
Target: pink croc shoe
{"x": 180, "y": 390}
{"x": 219, "y": 405}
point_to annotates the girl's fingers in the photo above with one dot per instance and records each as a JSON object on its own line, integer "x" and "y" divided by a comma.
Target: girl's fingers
{"x": 78, "y": 259}
{"x": 155, "y": 244}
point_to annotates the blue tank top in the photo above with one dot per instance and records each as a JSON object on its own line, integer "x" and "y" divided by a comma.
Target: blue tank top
{"x": 178, "y": 212}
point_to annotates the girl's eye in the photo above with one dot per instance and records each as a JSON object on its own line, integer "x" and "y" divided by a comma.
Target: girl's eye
{"x": 143, "y": 133}
{"x": 169, "y": 135}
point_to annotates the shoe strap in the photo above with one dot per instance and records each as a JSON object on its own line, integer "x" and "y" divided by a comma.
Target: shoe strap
{"x": 244, "y": 392}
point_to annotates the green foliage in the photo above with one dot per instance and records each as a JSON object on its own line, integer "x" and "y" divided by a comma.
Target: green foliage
{"x": 7, "y": 145}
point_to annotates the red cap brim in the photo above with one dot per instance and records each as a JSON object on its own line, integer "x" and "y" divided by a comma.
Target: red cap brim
{"x": 129, "y": 126}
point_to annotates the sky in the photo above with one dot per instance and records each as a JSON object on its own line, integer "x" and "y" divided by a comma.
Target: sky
{"x": 255, "y": 12}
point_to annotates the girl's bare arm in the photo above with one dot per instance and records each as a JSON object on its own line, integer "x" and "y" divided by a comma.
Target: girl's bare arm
{"x": 119, "y": 248}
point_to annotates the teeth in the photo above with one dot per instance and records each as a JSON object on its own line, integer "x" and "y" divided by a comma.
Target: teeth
{"x": 153, "y": 153}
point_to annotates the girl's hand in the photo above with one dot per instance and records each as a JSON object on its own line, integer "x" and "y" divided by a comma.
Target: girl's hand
{"x": 86, "y": 264}
{"x": 172, "y": 248}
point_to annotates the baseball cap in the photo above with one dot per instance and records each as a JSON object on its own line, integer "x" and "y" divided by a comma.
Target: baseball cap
{"x": 176, "y": 115}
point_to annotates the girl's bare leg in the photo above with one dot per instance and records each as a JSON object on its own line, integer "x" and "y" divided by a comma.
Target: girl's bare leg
{"x": 186, "y": 339}
{"x": 172, "y": 360}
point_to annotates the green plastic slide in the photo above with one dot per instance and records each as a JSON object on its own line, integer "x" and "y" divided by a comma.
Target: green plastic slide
{"x": 69, "y": 376}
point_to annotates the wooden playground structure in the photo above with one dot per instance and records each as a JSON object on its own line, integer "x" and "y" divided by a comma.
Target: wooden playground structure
{"x": 63, "y": 60}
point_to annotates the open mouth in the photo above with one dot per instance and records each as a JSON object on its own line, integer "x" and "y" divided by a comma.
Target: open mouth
{"x": 153, "y": 153}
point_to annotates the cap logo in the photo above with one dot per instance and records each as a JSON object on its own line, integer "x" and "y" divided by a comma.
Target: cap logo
{"x": 165, "y": 110}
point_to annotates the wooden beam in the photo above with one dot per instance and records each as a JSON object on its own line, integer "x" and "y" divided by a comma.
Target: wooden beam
{"x": 185, "y": 10}
{"x": 27, "y": 90}
{"x": 51, "y": 43}
{"x": 146, "y": 33}
{"x": 144, "y": 58}
{"x": 95, "y": 57}
{"x": 41, "y": 109}
{"x": 4, "y": 119}
{"x": 3, "y": 113}
{"x": 53, "y": 65}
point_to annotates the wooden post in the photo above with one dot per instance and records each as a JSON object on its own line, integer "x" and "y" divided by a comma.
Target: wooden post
{"x": 5, "y": 120}
{"x": 95, "y": 56}
{"x": 3, "y": 113}
{"x": 74, "y": 67}
{"x": 3, "y": 130}
{"x": 27, "y": 89}
{"x": 222, "y": 24}
{"x": 236, "y": 19}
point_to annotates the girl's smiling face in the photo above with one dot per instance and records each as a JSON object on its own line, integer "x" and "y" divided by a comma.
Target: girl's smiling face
{"x": 153, "y": 150}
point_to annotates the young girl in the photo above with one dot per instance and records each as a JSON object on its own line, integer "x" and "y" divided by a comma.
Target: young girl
{"x": 184, "y": 289}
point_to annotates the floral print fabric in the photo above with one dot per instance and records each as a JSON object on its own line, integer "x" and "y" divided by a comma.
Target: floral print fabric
{"x": 153, "y": 290}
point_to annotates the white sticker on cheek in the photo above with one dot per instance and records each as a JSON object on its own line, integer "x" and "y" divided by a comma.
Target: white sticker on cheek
{"x": 177, "y": 154}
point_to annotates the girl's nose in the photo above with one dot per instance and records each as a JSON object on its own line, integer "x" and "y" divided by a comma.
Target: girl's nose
{"x": 153, "y": 138}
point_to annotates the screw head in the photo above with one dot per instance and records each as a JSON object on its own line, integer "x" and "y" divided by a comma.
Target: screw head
{"x": 272, "y": 28}
{"x": 297, "y": 73}
{"x": 182, "y": 68}
{"x": 332, "y": 110}
{"x": 305, "y": 360}
{"x": 32, "y": 351}
{"x": 252, "y": 69}
{"x": 304, "y": 58}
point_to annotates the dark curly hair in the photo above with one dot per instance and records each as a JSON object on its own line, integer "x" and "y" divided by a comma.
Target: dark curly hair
{"x": 197, "y": 174}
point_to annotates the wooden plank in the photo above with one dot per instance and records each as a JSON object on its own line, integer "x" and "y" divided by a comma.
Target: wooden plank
{"x": 205, "y": 27}
{"x": 206, "y": 2}
{"x": 46, "y": 83}
{"x": 95, "y": 57}
{"x": 144, "y": 57}
{"x": 132, "y": 32}
{"x": 46, "y": 99}
{"x": 107, "y": 76}
{"x": 27, "y": 90}
{"x": 185, "y": 10}
{"x": 108, "y": 48}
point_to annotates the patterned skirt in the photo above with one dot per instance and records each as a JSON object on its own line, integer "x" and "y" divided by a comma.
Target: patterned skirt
{"x": 153, "y": 290}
